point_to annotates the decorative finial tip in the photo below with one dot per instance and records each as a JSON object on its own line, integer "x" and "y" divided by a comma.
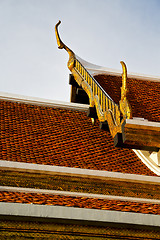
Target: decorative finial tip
{"x": 123, "y": 63}
{"x": 59, "y": 22}
{"x": 124, "y": 67}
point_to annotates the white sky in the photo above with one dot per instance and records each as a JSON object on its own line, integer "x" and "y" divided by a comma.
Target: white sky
{"x": 103, "y": 32}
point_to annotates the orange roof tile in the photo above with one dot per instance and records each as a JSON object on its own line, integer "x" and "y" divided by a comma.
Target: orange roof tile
{"x": 144, "y": 96}
{"x": 81, "y": 202}
{"x": 45, "y": 135}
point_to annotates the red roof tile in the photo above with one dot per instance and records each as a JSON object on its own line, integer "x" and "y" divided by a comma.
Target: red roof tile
{"x": 45, "y": 135}
{"x": 81, "y": 202}
{"x": 144, "y": 96}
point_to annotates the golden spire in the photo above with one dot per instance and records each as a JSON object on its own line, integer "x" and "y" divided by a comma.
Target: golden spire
{"x": 61, "y": 45}
{"x": 124, "y": 75}
{"x": 124, "y": 103}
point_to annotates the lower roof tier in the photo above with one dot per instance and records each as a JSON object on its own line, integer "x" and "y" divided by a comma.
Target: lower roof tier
{"x": 61, "y": 137}
{"x": 80, "y": 202}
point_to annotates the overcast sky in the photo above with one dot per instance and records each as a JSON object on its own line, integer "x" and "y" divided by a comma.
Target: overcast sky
{"x": 103, "y": 32}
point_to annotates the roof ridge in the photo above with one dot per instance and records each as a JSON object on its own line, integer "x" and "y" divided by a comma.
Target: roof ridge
{"x": 143, "y": 77}
{"x": 99, "y": 70}
{"x": 42, "y": 102}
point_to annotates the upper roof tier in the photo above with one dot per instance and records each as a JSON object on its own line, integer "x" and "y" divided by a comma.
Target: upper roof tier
{"x": 143, "y": 90}
{"x": 144, "y": 96}
{"x": 119, "y": 104}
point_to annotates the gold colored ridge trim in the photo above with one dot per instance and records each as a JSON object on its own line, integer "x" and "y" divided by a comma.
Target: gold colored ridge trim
{"x": 111, "y": 115}
{"x": 107, "y": 110}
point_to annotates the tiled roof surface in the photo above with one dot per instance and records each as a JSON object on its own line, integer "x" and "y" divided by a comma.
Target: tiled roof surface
{"x": 81, "y": 202}
{"x": 144, "y": 96}
{"x": 45, "y": 135}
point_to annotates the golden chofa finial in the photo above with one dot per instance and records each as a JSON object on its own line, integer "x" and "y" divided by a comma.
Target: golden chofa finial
{"x": 61, "y": 45}
{"x": 124, "y": 103}
{"x": 59, "y": 41}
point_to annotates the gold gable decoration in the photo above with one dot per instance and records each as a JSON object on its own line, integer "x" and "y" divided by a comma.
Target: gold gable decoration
{"x": 125, "y": 131}
{"x": 107, "y": 109}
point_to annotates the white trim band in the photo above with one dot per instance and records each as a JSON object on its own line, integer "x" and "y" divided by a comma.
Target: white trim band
{"x": 43, "y": 102}
{"x": 80, "y": 172}
{"x": 80, "y": 214}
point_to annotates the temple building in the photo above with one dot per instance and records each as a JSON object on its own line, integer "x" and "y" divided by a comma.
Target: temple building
{"x": 88, "y": 169}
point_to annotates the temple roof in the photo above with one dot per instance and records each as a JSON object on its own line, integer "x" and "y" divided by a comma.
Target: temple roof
{"x": 79, "y": 157}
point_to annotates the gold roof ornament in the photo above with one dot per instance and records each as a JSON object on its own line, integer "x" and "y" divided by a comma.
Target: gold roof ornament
{"x": 117, "y": 118}
{"x": 61, "y": 45}
{"x": 125, "y": 106}
{"x": 107, "y": 110}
